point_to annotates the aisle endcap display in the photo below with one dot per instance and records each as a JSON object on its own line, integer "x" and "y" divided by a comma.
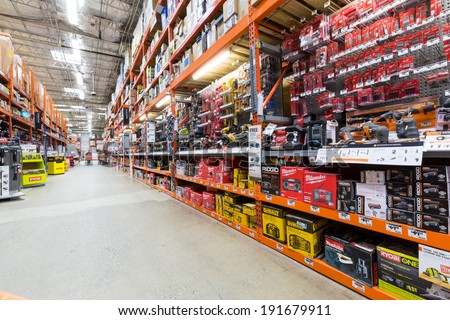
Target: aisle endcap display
{"x": 33, "y": 171}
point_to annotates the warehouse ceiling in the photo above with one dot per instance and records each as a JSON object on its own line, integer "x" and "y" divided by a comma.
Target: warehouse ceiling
{"x": 74, "y": 53}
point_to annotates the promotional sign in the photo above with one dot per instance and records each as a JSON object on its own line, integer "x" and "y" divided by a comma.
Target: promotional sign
{"x": 28, "y": 148}
{"x": 37, "y": 121}
{"x": 254, "y": 152}
{"x": 126, "y": 116}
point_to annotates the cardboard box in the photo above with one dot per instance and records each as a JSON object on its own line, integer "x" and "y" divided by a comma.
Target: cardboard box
{"x": 219, "y": 203}
{"x": 353, "y": 252}
{"x": 304, "y": 221}
{"x": 209, "y": 201}
{"x": 243, "y": 184}
{"x": 320, "y": 188}
{"x": 230, "y": 23}
{"x": 402, "y": 203}
{"x": 434, "y": 174}
{"x": 228, "y": 206}
{"x": 306, "y": 243}
{"x": 401, "y": 216}
{"x": 197, "y": 197}
{"x": 251, "y": 184}
{"x": 405, "y": 175}
{"x": 292, "y": 182}
{"x": 270, "y": 180}
{"x": 438, "y": 190}
{"x": 371, "y": 190}
{"x": 233, "y": 198}
{"x": 220, "y": 30}
{"x": 439, "y": 207}
{"x": 6, "y": 53}
{"x": 240, "y": 217}
{"x": 400, "y": 189}
{"x": 230, "y": 7}
{"x": 253, "y": 222}
{"x": 432, "y": 223}
{"x": 434, "y": 265}
{"x": 249, "y": 209}
{"x": 242, "y": 8}
{"x": 346, "y": 206}
{"x": 398, "y": 272}
{"x": 274, "y": 223}
{"x": 228, "y": 214}
{"x": 372, "y": 207}
{"x": 346, "y": 190}
{"x": 373, "y": 176}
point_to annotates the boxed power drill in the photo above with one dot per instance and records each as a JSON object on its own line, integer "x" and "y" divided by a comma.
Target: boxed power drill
{"x": 270, "y": 180}
{"x": 274, "y": 223}
{"x": 346, "y": 196}
{"x": 402, "y": 203}
{"x": 432, "y": 223}
{"x": 353, "y": 252}
{"x": 438, "y": 207}
{"x": 398, "y": 272}
{"x": 436, "y": 190}
{"x": 404, "y": 174}
{"x": 400, "y": 189}
{"x": 240, "y": 217}
{"x": 401, "y": 216}
{"x": 321, "y": 188}
{"x": 292, "y": 182}
{"x": 434, "y": 174}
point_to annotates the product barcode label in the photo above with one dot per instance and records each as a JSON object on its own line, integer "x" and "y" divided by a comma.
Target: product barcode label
{"x": 279, "y": 246}
{"x": 309, "y": 262}
{"x": 403, "y": 52}
{"x": 351, "y": 68}
{"x": 220, "y": 218}
{"x": 344, "y": 91}
{"x": 359, "y": 286}
{"x": 308, "y": 93}
{"x": 243, "y": 191}
{"x": 218, "y": 185}
{"x": 388, "y": 57}
{"x": 344, "y": 216}
{"x": 365, "y": 221}
{"x": 403, "y": 74}
{"x": 314, "y": 209}
{"x": 230, "y": 223}
{"x": 434, "y": 41}
{"x": 330, "y": 76}
{"x": 359, "y": 85}
{"x": 370, "y": 82}
{"x": 393, "y": 228}
{"x": 416, "y": 47}
{"x": 251, "y": 234}
{"x": 226, "y": 187}
{"x": 238, "y": 227}
{"x": 268, "y": 197}
{"x": 312, "y": 69}
{"x": 235, "y": 189}
{"x": 251, "y": 193}
{"x": 211, "y": 184}
{"x": 213, "y": 214}
{"x": 417, "y": 234}
{"x": 342, "y": 71}
{"x": 317, "y": 90}
{"x": 204, "y": 210}
{"x": 291, "y": 203}
{"x": 386, "y": 78}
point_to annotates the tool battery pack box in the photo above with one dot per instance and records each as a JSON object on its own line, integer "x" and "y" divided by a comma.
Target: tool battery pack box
{"x": 249, "y": 209}
{"x": 439, "y": 207}
{"x": 402, "y": 203}
{"x": 437, "y": 190}
{"x": 400, "y": 189}
{"x": 292, "y": 182}
{"x": 274, "y": 223}
{"x": 270, "y": 180}
{"x": 353, "y": 252}
{"x": 405, "y": 175}
{"x": 321, "y": 188}
{"x": 398, "y": 272}
{"x": 304, "y": 233}
{"x": 432, "y": 222}
{"x": 401, "y": 216}
{"x": 433, "y": 174}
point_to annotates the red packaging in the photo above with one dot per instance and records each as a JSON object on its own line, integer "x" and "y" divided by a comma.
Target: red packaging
{"x": 411, "y": 87}
{"x": 328, "y": 75}
{"x": 378, "y": 4}
{"x": 337, "y": 22}
{"x": 357, "y": 38}
{"x": 151, "y": 178}
{"x": 349, "y": 41}
{"x": 421, "y": 13}
{"x": 406, "y": 64}
{"x": 350, "y": 63}
{"x": 298, "y": 107}
{"x": 377, "y": 52}
{"x": 320, "y": 188}
{"x": 291, "y": 43}
{"x": 365, "y": 96}
{"x": 407, "y": 18}
{"x": 395, "y": 92}
{"x": 392, "y": 69}
{"x": 317, "y": 80}
{"x": 366, "y": 34}
{"x": 339, "y": 66}
{"x": 358, "y": 81}
{"x": 402, "y": 43}
{"x": 291, "y": 181}
{"x": 308, "y": 83}
{"x": 209, "y": 201}
{"x": 368, "y": 76}
{"x": 435, "y": 8}
{"x": 321, "y": 57}
{"x": 416, "y": 39}
{"x": 196, "y": 197}
{"x": 364, "y": 7}
{"x": 348, "y": 82}
{"x": 386, "y": 26}
{"x": 304, "y": 66}
{"x": 312, "y": 63}
{"x": 338, "y": 105}
{"x": 350, "y": 14}
{"x": 325, "y": 100}
{"x": 433, "y": 33}
{"x": 389, "y": 48}
{"x": 296, "y": 67}
{"x": 375, "y": 30}
{"x": 350, "y": 103}
{"x": 378, "y": 94}
{"x": 333, "y": 49}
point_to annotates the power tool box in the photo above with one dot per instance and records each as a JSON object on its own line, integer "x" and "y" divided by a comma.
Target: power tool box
{"x": 270, "y": 180}
{"x": 401, "y": 216}
{"x": 274, "y": 223}
{"x": 400, "y": 189}
{"x": 432, "y": 223}
{"x": 434, "y": 265}
{"x": 438, "y": 190}
{"x": 433, "y": 174}
{"x": 292, "y": 182}
{"x": 405, "y": 175}
{"x": 401, "y": 203}
{"x": 440, "y": 207}
{"x": 353, "y": 252}
{"x": 321, "y": 188}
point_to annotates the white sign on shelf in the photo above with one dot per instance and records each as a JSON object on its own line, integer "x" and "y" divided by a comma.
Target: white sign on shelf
{"x": 394, "y": 228}
{"x": 437, "y": 143}
{"x": 417, "y": 234}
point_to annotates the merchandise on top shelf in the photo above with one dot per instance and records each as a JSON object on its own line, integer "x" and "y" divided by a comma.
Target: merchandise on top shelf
{"x": 316, "y": 31}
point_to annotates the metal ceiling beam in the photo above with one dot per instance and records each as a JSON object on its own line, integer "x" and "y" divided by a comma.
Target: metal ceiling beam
{"x": 309, "y": 6}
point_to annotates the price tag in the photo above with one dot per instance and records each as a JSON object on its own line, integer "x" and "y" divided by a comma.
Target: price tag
{"x": 251, "y": 234}
{"x": 342, "y": 71}
{"x": 435, "y": 41}
{"x": 416, "y": 47}
{"x": 314, "y": 209}
{"x": 316, "y": 42}
{"x": 429, "y": 20}
{"x": 212, "y": 151}
{"x": 235, "y": 189}
{"x": 291, "y": 203}
{"x": 344, "y": 91}
{"x": 393, "y": 228}
{"x": 213, "y": 214}
{"x": 204, "y": 210}
{"x": 370, "y": 82}
{"x": 358, "y": 285}
{"x": 443, "y": 64}
{"x": 279, "y": 246}
{"x": 238, "y": 227}
{"x": 316, "y": 90}
{"x": 268, "y": 197}
{"x": 388, "y": 57}
{"x": 386, "y": 78}
{"x": 351, "y": 68}
{"x": 302, "y": 72}
{"x": 211, "y": 184}
{"x": 251, "y": 193}
{"x": 218, "y": 185}
{"x": 332, "y": 94}
{"x": 226, "y": 188}
{"x": 220, "y": 218}
{"x": 403, "y": 52}
{"x": 344, "y": 216}
{"x": 403, "y": 74}
{"x": 308, "y": 93}
{"x": 302, "y": 94}
{"x": 312, "y": 69}
{"x": 411, "y": 26}
{"x": 243, "y": 191}
{"x": 309, "y": 262}
{"x": 447, "y": 93}
{"x": 417, "y": 234}
{"x": 359, "y": 85}
{"x": 330, "y": 76}
{"x": 365, "y": 221}
{"x": 230, "y": 223}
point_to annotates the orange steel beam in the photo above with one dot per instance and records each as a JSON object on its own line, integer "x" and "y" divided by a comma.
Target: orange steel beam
{"x": 272, "y": 92}
{"x": 270, "y": 27}
{"x": 264, "y": 8}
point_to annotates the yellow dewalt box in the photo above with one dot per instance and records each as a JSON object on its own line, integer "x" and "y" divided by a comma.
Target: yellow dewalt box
{"x": 274, "y": 223}
{"x": 308, "y": 244}
{"x": 228, "y": 214}
{"x": 238, "y": 175}
{"x": 227, "y": 206}
{"x": 253, "y": 222}
{"x": 241, "y": 219}
{"x": 251, "y": 184}
{"x": 233, "y": 198}
{"x": 243, "y": 184}
{"x": 249, "y": 209}
{"x": 219, "y": 204}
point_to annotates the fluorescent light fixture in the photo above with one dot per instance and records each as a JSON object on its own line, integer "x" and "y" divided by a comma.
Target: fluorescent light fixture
{"x": 78, "y": 107}
{"x": 70, "y": 125}
{"x": 209, "y": 66}
{"x": 143, "y": 117}
{"x": 164, "y": 102}
{"x": 103, "y": 109}
{"x": 79, "y": 78}
{"x": 72, "y": 11}
{"x": 80, "y": 117}
{"x": 81, "y": 95}
{"x": 60, "y": 105}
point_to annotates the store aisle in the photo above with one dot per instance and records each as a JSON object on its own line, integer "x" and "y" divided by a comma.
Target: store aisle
{"x": 94, "y": 233}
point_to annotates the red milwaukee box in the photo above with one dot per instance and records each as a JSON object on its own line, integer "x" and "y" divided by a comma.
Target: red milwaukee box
{"x": 421, "y": 13}
{"x": 407, "y": 18}
{"x": 364, "y": 7}
{"x": 378, "y": 94}
{"x": 406, "y": 64}
{"x": 350, "y": 103}
{"x": 151, "y": 178}
{"x": 378, "y": 4}
{"x": 338, "y": 105}
{"x": 196, "y": 197}
{"x": 431, "y": 34}
{"x": 435, "y": 8}
{"x": 292, "y": 182}
{"x": 320, "y": 188}
{"x": 209, "y": 201}
{"x": 389, "y": 48}
{"x": 366, "y": 34}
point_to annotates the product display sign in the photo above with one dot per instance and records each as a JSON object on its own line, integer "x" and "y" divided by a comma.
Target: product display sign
{"x": 126, "y": 116}
{"x": 400, "y": 154}
{"x": 437, "y": 143}
{"x": 37, "y": 121}
{"x": 28, "y": 148}
{"x": 254, "y": 152}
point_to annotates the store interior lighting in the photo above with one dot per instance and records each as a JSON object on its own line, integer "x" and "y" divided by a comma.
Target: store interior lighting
{"x": 72, "y": 11}
{"x": 209, "y": 66}
{"x": 164, "y": 102}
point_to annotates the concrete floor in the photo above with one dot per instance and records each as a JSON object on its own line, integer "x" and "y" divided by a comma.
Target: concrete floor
{"x": 94, "y": 233}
